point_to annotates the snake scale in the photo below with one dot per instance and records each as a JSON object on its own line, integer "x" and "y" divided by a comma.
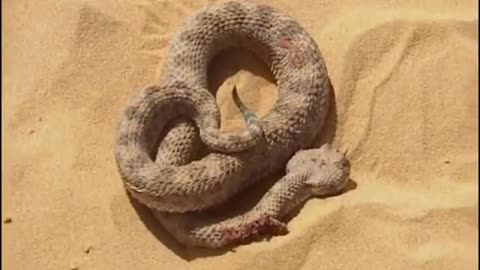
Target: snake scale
{"x": 165, "y": 125}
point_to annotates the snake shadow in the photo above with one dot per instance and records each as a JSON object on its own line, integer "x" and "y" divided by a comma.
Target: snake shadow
{"x": 223, "y": 66}
{"x": 244, "y": 201}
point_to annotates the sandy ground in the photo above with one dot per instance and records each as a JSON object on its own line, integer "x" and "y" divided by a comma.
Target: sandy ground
{"x": 406, "y": 89}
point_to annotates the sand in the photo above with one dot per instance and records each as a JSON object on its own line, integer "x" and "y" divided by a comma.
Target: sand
{"x": 406, "y": 89}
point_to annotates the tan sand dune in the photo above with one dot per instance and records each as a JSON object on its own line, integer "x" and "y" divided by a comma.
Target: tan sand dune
{"x": 405, "y": 79}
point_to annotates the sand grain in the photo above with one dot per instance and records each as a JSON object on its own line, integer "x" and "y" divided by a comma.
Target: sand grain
{"x": 405, "y": 79}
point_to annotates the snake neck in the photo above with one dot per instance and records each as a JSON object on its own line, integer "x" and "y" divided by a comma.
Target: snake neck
{"x": 289, "y": 192}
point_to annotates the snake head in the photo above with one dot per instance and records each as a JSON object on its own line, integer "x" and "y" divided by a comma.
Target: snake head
{"x": 327, "y": 168}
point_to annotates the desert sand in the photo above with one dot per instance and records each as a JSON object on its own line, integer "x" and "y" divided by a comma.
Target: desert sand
{"x": 405, "y": 80}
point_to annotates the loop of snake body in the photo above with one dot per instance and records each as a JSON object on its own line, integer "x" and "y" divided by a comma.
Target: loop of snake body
{"x": 169, "y": 178}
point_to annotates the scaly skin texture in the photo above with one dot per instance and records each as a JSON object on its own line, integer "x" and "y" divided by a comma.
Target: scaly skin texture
{"x": 167, "y": 181}
{"x": 313, "y": 172}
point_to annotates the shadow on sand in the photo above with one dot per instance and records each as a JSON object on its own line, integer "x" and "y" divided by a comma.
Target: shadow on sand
{"x": 223, "y": 68}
